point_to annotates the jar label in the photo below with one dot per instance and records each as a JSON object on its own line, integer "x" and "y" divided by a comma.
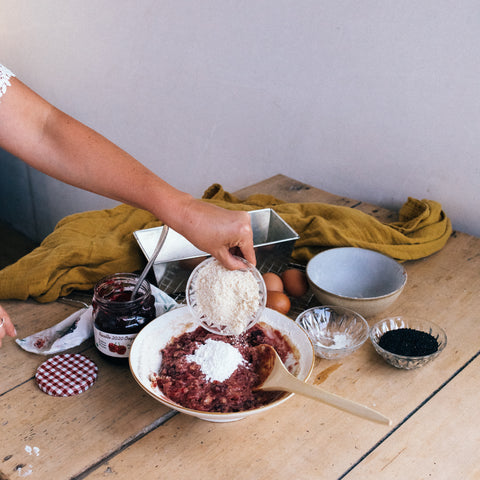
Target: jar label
{"x": 112, "y": 344}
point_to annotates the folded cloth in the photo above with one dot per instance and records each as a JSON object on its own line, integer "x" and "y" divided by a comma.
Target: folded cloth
{"x": 421, "y": 230}
{"x": 82, "y": 249}
{"x": 85, "y": 247}
{"x": 78, "y": 327}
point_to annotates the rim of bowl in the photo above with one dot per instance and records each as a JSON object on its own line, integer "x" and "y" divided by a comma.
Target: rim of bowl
{"x": 441, "y": 343}
{"x": 336, "y": 308}
{"x": 162, "y": 398}
{"x": 360, "y": 299}
{"x": 180, "y": 408}
{"x": 248, "y": 267}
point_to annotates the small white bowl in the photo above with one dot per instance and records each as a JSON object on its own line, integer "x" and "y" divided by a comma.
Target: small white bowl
{"x": 334, "y": 331}
{"x": 146, "y": 358}
{"x": 363, "y": 280}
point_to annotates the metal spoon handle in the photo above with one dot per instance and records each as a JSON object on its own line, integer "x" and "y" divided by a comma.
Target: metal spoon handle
{"x": 160, "y": 243}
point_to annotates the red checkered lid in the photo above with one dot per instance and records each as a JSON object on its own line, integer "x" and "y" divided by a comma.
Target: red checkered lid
{"x": 66, "y": 374}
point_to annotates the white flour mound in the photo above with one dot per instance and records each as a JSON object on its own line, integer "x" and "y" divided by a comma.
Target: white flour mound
{"x": 217, "y": 359}
{"x": 228, "y": 298}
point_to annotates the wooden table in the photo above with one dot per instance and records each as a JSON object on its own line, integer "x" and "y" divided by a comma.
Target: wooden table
{"x": 115, "y": 430}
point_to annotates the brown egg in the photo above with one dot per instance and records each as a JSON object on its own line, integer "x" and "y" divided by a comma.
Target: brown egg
{"x": 278, "y": 301}
{"x": 295, "y": 282}
{"x": 273, "y": 282}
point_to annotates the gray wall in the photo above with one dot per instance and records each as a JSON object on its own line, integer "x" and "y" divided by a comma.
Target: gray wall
{"x": 376, "y": 100}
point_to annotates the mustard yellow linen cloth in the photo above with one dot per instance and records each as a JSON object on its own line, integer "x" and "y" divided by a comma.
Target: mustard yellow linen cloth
{"x": 421, "y": 230}
{"x": 87, "y": 246}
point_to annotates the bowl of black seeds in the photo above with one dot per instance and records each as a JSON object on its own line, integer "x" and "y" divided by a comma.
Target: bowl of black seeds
{"x": 406, "y": 343}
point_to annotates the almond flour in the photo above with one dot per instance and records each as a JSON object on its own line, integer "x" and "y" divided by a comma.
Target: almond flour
{"x": 228, "y": 298}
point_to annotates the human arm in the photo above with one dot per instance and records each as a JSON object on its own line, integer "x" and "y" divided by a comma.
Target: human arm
{"x": 60, "y": 146}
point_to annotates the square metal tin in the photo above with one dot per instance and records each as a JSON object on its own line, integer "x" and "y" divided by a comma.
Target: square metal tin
{"x": 272, "y": 237}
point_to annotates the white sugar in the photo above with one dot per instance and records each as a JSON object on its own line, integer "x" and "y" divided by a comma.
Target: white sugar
{"x": 218, "y": 360}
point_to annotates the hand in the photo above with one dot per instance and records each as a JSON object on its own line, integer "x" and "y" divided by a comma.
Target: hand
{"x": 222, "y": 233}
{"x": 6, "y": 325}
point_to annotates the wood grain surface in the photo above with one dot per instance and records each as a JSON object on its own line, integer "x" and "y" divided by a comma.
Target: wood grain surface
{"x": 114, "y": 430}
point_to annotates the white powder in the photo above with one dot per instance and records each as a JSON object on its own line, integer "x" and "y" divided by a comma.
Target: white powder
{"x": 217, "y": 360}
{"x": 340, "y": 340}
{"x": 228, "y": 298}
{"x": 32, "y": 450}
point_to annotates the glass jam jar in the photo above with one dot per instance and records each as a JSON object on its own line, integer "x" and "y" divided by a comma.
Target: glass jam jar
{"x": 117, "y": 318}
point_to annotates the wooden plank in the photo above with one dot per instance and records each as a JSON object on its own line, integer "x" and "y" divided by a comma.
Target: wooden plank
{"x": 293, "y": 191}
{"x": 441, "y": 440}
{"x": 127, "y": 437}
{"x": 318, "y": 441}
{"x": 72, "y": 433}
{"x": 17, "y": 365}
{"x": 300, "y": 439}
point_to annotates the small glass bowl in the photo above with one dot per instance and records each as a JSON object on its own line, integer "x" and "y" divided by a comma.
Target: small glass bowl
{"x": 334, "y": 331}
{"x": 210, "y": 324}
{"x": 403, "y": 361}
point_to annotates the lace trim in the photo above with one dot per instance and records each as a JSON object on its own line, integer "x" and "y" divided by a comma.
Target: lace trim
{"x": 5, "y": 75}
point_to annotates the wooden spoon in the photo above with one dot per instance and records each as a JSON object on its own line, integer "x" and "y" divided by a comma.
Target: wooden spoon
{"x": 273, "y": 375}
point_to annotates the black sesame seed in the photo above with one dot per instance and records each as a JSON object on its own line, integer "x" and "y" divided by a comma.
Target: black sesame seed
{"x": 408, "y": 342}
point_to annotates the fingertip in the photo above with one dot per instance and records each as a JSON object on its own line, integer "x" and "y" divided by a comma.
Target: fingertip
{"x": 234, "y": 264}
{"x": 10, "y": 330}
{"x": 250, "y": 257}
{"x": 253, "y": 259}
{"x": 230, "y": 260}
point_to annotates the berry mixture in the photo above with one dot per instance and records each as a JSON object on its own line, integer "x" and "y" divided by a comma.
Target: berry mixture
{"x": 183, "y": 381}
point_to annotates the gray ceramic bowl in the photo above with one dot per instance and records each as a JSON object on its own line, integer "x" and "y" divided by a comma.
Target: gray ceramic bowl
{"x": 365, "y": 281}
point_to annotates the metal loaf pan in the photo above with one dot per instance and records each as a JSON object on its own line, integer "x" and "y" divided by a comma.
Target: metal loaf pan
{"x": 272, "y": 237}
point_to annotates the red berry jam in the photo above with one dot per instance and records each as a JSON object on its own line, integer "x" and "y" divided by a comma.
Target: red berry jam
{"x": 117, "y": 318}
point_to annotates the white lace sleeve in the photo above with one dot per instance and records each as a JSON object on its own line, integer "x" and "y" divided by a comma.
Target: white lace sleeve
{"x": 5, "y": 75}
